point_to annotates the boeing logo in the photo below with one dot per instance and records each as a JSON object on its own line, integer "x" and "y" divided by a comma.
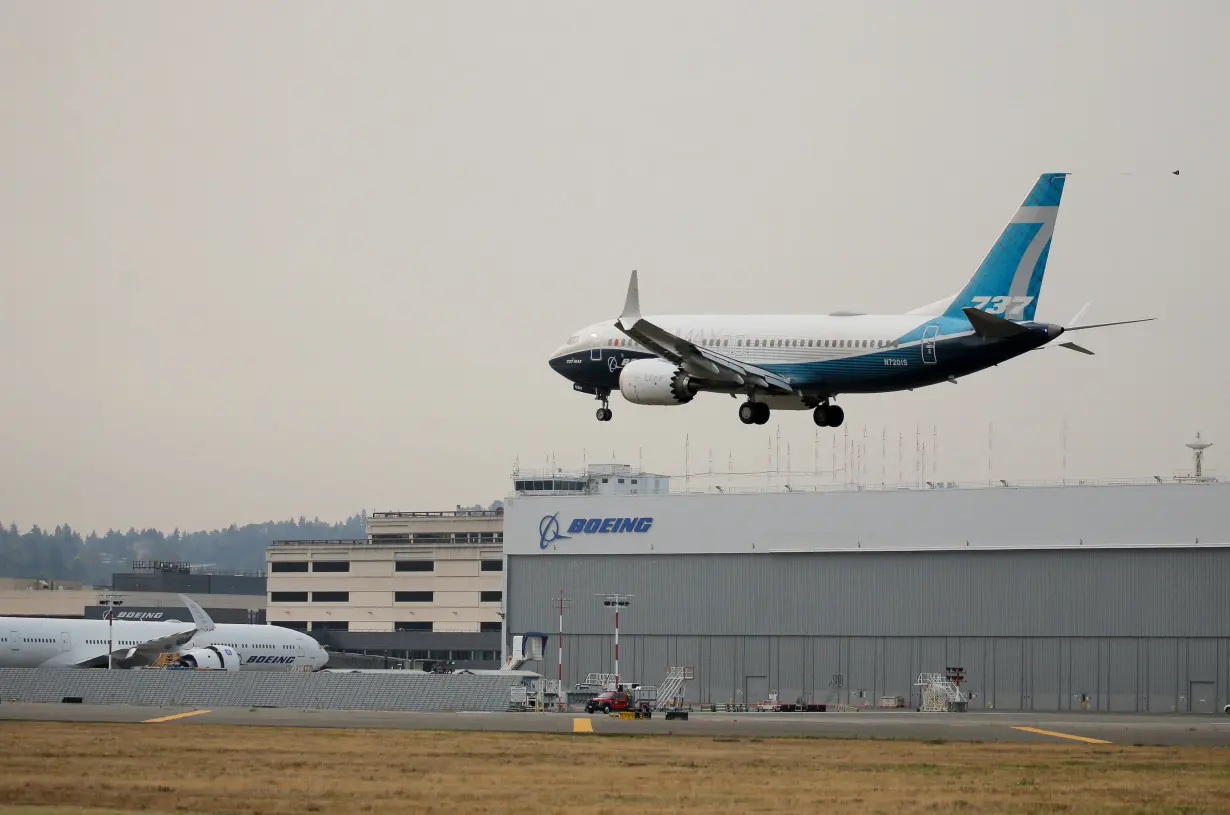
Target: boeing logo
{"x": 548, "y": 530}
{"x": 548, "y": 527}
{"x": 263, "y": 658}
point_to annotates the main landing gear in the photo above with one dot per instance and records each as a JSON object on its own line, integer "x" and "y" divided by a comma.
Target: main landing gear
{"x": 826, "y": 415}
{"x": 753, "y": 412}
{"x": 604, "y": 412}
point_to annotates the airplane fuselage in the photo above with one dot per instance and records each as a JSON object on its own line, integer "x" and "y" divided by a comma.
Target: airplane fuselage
{"x": 820, "y": 355}
{"x": 804, "y": 362}
{"x": 40, "y": 642}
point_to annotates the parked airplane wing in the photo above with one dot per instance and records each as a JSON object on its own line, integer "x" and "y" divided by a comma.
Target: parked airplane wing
{"x": 146, "y": 653}
{"x": 699, "y": 361}
{"x": 200, "y": 618}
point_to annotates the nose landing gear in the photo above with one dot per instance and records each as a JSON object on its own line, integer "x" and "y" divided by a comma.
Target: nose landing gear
{"x": 604, "y": 412}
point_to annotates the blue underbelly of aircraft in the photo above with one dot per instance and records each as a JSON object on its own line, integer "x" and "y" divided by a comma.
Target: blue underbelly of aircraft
{"x": 877, "y": 372}
{"x": 902, "y": 368}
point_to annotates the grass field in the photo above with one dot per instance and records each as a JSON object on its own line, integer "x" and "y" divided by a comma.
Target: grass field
{"x": 60, "y": 768}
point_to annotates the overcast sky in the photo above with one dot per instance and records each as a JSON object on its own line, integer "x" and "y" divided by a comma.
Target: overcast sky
{"x": 265, "y": 259}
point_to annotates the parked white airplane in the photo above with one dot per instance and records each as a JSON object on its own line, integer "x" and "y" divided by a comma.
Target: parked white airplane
{"x": 803, "y": 362}
{"x": 41, "y": 642}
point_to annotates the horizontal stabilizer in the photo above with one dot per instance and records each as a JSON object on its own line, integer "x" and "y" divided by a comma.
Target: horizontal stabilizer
{"x": 991, "y": 327}
{"x": 1076, "y": 347}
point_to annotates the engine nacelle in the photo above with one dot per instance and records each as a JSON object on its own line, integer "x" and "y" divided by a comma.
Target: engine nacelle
{"x": 655, "y": 382}
{"x": 213, "y": 657}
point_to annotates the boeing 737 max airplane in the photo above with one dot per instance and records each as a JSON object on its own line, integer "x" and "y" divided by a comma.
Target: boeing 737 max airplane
{"x": 804, "y": 362}
{"x": 40, "y": 642}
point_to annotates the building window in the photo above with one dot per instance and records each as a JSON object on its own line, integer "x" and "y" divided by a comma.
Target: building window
{"x": 298, "y": 625}
{"x": 331, "y": 626}
{"x": 490, "y": 627}
{"x": 330, "y": 565}
{"x": 330, "y": 597}
{"x": 490, "y": 596}
{"x": 413, "y": 596}
{"x": 416, "y": 566}
{"x": 414, "y": 626}
{"x": 288, "y": 596}
{"x": 288, "y": 566}
{"x": 492, "y": 566}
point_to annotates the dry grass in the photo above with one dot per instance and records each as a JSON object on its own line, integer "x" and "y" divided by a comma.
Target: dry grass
{"x": 103, "y": 768}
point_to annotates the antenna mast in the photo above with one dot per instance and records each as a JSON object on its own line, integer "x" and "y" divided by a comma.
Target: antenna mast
{"x": 1198, "y": 447}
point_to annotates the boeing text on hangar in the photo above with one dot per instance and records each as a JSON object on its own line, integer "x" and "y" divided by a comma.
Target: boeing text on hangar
{"x": 589, "y": 526}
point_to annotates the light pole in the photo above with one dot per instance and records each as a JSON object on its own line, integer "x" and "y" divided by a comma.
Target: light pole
{"x": 618, "y": 601}
{"x": 561, "y": 604}
{"x": 110, "y": 601}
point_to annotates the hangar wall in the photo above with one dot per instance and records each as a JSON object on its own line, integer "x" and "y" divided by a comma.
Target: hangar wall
{"x": 1129, "y": 630}
{"x": 1106, "y": 597}
{"x": 1124, "y": 674}
{"x": 1061, "y": 593}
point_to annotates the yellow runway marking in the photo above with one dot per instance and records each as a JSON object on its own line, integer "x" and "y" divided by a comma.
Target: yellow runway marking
{"x": 1061, "y": 735}
{"x": 582, "y": 726}
{"x": 175, "y": 716}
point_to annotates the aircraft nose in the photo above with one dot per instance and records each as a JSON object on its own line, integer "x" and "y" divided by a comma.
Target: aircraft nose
{"x": 559, "y": 363}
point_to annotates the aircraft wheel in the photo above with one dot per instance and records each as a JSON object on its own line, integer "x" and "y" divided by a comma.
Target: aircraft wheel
{"x": 747, "y": 412}
{"x": 821, "y": 416}
{"x": 836, "y": 416}
{"x": 762, "y": 413}
{"x": 604, "y": 414}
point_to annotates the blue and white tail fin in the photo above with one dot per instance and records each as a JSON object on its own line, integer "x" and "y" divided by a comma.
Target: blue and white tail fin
{"x": 1009, "y": 280}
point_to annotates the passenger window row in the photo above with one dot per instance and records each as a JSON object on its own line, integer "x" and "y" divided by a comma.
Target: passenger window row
{"x": 771, "y": 343}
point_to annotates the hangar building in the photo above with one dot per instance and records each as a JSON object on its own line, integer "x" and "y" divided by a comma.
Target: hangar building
{"x": 1092, "y": 596}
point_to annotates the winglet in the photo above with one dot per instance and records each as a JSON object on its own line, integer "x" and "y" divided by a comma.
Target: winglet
{"x": 632, "y": 305}
{"x": 200, "y": 619}
{"x": 990, "y": 326}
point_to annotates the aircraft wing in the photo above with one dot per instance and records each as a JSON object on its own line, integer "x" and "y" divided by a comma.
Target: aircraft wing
{"x": 200, "y": 618}
{"x": 697, "y": 360}
{"x": 146, "y": 653}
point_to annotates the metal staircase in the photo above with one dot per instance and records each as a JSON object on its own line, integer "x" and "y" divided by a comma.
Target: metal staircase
{"x": 598, "y": 680}
{"x": 939, "y": 694}
{"x": 670, "y": 692}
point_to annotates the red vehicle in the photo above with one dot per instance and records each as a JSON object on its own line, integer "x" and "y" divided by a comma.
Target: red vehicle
{"x": 614, "y": 700}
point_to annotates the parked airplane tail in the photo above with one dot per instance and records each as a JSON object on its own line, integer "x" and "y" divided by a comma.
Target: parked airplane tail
{"x": 1009, "y": 280}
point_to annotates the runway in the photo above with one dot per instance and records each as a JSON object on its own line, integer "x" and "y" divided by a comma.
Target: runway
{"x": 1071, "y": 728}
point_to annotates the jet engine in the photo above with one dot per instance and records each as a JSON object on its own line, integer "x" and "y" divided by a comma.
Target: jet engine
{"x": 655, "y": 382}
{"x": 214, "y": 657}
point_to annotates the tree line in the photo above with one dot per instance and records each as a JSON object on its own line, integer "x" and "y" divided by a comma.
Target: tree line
{"x": 65, "y": 554}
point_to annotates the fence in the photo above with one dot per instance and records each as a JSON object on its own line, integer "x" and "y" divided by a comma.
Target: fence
{"x": 339, "y": 691}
